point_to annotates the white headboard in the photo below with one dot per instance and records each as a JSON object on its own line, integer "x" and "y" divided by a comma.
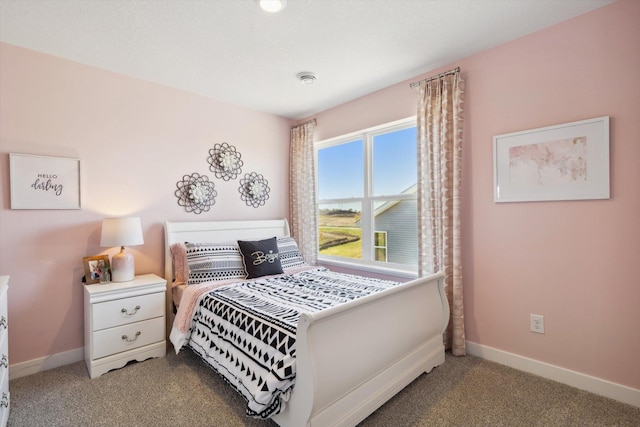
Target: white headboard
{"x": 217, "y": 232}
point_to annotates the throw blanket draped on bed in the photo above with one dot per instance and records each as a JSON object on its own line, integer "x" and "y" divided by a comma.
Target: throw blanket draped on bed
{"x": 246, "y": 330}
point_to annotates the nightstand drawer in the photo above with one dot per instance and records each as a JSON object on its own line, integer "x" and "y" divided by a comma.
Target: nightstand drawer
{"x": 5, "y": 402}
{"x": 4, "y": 323}
{"x": 127, "y": 310}
{"x": 4, "y": 359}
{"x": 122, "y": 338}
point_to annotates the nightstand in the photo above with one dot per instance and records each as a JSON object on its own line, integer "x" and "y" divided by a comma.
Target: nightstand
{"x": 124, "y": 322}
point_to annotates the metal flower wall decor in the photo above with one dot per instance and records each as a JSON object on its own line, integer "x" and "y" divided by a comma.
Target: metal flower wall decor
{"x": 254, "y": 189}
{"x": 224, "y": 161}
{"x": 196, "y": 193}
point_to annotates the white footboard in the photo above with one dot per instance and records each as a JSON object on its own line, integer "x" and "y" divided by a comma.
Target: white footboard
{"x": 352, "y": 358}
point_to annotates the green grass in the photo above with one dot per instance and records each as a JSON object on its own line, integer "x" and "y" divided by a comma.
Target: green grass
{"x": 347, "y": 250}
{"x": 334, "y": 227}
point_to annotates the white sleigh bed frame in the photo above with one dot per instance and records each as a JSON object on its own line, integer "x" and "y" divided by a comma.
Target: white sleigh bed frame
{"x": 352, "y": 358}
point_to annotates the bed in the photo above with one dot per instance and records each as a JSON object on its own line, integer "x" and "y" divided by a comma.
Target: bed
{"x": 345, "y": 366}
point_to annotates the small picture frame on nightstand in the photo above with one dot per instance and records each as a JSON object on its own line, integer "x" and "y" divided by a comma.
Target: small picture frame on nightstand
{"x": 97, "y": 269}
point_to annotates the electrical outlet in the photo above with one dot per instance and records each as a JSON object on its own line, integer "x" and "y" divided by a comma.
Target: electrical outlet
{"x": 537, "y": 323}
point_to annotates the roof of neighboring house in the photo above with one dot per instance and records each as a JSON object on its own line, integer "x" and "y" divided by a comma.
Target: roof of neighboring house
{"x": 388, "y": 205}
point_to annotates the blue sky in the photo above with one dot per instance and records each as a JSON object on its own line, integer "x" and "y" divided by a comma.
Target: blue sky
{"x": 341, "y": 173}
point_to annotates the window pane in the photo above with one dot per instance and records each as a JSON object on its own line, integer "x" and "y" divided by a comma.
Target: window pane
{"x": 340, "y": 230}
{"x": 381, "y": 254}
{"x": 341, "y": 171}
{"x": 395, "y": 166}
{"x": 399, "y": 218}
{"x": 380, "y": 239}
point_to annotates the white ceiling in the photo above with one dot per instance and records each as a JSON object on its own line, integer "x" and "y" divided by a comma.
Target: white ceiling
{"x": 232, "y": 51}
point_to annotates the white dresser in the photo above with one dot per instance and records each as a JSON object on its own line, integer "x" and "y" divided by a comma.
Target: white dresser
{"x": 4, "y": 352}
{"x": 124, "y": 321}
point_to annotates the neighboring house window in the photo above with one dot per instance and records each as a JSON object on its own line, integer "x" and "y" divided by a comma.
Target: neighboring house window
{"x": 367, "y": 202}
{"x": 380, "y": 245}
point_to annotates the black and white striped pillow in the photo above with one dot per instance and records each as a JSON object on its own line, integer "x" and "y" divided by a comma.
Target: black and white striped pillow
{"x": 213, "y": 262}
{"x": 290, "y": 256}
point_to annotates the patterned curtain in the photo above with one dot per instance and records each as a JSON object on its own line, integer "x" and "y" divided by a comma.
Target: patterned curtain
{"x": 302, "y": 199}
{"x": 440, "y": 123}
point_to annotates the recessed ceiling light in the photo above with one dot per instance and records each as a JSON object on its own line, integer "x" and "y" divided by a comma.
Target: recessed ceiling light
{"x": 307, "y": 78}
{"x": 272, "y": 6}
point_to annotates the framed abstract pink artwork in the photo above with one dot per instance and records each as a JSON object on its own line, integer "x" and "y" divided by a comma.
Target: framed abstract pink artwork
{"x": 562, "y": 162}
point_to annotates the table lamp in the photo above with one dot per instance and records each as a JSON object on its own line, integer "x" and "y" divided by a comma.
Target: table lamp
{"x": 122, "y": 232}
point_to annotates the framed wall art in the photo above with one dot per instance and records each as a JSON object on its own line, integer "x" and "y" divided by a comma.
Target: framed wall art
{"x": 563, "y": 162}
{"x": 42, "y": 182}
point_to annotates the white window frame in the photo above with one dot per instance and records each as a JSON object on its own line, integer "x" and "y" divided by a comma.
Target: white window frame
{"x": 367, "y": 263}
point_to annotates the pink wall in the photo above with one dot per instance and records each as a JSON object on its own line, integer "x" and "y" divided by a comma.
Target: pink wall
{"x": 135, "y": 141}
{"x": 576, "y": 262}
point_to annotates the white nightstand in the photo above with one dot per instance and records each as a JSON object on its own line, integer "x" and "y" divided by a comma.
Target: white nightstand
{"x": 123, "y": 322}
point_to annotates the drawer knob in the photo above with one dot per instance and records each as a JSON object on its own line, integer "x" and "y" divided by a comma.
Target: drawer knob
{"x": 3, "y": 322}
{"x": 126, "y": 338}
{"x": 135, "y": 310}
{"x": 4, "y": 403}
{"x": 4, "y": 362}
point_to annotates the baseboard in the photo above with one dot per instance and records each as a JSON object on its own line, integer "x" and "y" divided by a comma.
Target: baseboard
{"x": 34, "y": 366}
{"x": 575, "y": 379}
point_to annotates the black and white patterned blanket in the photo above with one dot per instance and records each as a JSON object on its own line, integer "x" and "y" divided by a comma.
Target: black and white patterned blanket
{"x": 246, "y": 331}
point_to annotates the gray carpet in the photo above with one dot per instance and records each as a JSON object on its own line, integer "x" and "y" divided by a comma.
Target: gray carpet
{"x": 182, "y": 391}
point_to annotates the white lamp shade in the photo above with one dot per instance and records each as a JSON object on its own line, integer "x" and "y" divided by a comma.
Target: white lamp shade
{"x": 122, "y": 232}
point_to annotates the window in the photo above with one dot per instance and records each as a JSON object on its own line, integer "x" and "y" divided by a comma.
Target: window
{"x": 380, "y": 245}
{"x": 367, "y": 201}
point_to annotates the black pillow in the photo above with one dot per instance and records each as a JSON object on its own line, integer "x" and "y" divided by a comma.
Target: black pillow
{"x": 260, "y": 257}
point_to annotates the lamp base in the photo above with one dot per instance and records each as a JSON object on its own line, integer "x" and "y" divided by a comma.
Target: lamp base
{"x": 122, "y": 267}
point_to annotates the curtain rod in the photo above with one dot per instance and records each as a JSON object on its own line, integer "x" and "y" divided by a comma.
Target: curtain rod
{"x": 314, "y": 121}
{"x": 446, "y": 73}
